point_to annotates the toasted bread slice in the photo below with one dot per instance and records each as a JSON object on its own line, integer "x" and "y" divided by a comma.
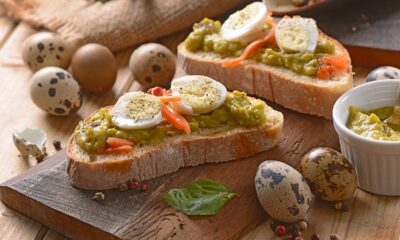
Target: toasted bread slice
{"x": 99, "y": 172}
{"x": 294, "y": 91}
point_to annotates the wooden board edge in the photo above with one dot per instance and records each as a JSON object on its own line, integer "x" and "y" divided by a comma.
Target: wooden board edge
{"x": 46, "y": 164}
{"x": 59, "y": 222}
{"x": 373, "y": 57}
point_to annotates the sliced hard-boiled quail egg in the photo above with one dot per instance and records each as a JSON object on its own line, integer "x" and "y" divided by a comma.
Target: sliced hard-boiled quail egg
{"x": 200, "y": 94}
{"x": 137, "y": 110}
{"x": 246, "y": 25}
{"x": 297, "y": 34}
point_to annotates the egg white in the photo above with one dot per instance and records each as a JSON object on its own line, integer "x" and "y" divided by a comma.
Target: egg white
{"x": 246, "y": 25}
{"x": 123, "y": 118}
{"x": 200, "y": 94}
{"x": 300, "y": 33}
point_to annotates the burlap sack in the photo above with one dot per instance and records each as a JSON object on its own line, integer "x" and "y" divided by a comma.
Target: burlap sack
{"x": 116, "y": 23}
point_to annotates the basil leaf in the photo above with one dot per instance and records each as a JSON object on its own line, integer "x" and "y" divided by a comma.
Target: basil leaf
{"x": 204, "y": 197}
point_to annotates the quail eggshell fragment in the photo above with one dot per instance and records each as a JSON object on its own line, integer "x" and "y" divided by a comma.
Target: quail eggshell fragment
{"x": 95, "y": 67}
{"x": 282, "y": 191}
{"x": 55, "y": 91}
{"x": 45, "y": 49}
{"x": 385, "y": 72}
{"x": 152, "y": 65}
{"x": 329, "y": 174}
{"x": 30, "y": 141}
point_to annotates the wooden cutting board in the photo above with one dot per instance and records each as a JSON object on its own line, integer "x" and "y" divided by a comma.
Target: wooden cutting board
{"x": 44, "y": 194}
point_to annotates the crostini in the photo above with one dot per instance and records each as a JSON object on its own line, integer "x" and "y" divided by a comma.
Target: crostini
{"x": 146, "y": 135}
{"x": 289, "y": 61}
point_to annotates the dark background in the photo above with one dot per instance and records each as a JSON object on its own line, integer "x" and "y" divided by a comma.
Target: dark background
{"x": 366, "y": 23}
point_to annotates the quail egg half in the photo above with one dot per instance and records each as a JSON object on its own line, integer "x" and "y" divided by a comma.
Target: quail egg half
{"x": 137, "y": 110}
{"x": 200, "y": 94}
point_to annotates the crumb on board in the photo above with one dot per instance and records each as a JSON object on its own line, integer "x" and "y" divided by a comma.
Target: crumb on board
{"x": 123, "y": 187}
{"x": 98, "y": 196}
{"x": 334, "y": 237}
{"x": 341, "y": 206}
{"x": 57, "y": 145}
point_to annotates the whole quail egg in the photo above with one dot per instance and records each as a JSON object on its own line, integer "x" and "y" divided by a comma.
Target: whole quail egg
{"x": 55, "y": 91}
{"x": 94, "y": 67}
{"x": 152, "y": 65}
{"x": 45, "y": 49}
{"x": 282, "y": 191}
{"x": 329, "y": 174}
{"x": 385, "y": 72}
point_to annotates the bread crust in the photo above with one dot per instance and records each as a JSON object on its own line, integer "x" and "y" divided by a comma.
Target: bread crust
{"x": 150, "y": 161}
{"x": 297, "y": 92}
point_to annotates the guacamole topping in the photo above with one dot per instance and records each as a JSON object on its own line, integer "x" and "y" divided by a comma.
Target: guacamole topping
{"x": 237, "y": 110}
{"x": 372, "y": 124}
{"x": 205, "y": 37}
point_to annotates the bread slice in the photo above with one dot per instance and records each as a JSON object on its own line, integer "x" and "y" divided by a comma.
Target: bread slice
{"x": 297, "y": 92}
{"x": 172, "y": 153}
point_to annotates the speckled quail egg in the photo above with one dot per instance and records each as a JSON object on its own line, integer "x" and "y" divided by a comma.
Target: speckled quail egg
{"x": 385, "y": 72}
{"x": 95, "y": 67}
{"x": 152, "y": 65}
{"x": 55, "y": 91}
{"x": 282, "y": 191}
{"x": 329, "y": 174}
{"x": 45, "y": 49}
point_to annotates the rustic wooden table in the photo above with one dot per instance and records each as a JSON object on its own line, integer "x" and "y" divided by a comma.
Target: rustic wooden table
{"x": 369, "y": 217}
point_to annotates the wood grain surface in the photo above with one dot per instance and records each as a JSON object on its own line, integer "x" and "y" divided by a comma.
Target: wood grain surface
{"x": 370, "y": 216}
{"x": 132, "y": 214}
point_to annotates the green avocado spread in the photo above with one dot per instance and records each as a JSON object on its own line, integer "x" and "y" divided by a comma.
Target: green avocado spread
{"x": 373, "y": 124}
{"x": 237, "y": 110}
{"x": 205, "y": 37}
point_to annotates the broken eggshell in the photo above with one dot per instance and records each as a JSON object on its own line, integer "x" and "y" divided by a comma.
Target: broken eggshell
{"x": 282, "y": 191}
{"x": 30, "y": 142}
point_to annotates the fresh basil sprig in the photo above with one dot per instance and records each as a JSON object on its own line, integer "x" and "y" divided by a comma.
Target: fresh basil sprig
{"x": 204, "y": 197}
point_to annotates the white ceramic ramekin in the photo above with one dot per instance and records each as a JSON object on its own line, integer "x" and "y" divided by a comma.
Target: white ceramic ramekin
{"x": 377, "y": 163}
